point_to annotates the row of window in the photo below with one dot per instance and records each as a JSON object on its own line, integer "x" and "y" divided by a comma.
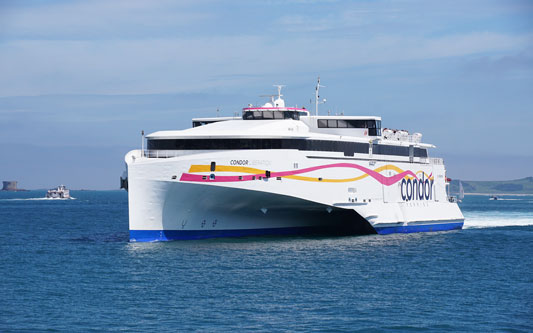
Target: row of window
{"x": 348, "y": 148}
{"x": 374, "y": 126}
{"x": 348, "y": 123}
{"x": 269, "y": 115}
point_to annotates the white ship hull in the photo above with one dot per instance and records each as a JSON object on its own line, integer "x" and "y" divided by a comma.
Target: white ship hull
{"x": 181, "y": 198}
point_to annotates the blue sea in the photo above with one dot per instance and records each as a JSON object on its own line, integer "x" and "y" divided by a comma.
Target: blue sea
{"x": 68, "y": 266}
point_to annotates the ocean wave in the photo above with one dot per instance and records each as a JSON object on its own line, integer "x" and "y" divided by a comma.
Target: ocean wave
{"x": 485, "y": 220}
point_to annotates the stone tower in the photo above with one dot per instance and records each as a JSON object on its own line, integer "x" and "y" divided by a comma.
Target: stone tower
{"x": 9, "y": 185}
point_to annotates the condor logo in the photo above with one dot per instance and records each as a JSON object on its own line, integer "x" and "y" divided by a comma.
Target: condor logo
{"x": 238, "y": 162}
{"x": 417, "y": 189}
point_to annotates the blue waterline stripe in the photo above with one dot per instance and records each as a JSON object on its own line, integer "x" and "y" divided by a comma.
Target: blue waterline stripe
{"x": 166, "y": 235}
{"x": 420, "y": 228}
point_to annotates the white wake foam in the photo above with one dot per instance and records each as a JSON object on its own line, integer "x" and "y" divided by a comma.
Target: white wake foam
{"x": 38, "y": 199}
{"x": 494, "y": 219}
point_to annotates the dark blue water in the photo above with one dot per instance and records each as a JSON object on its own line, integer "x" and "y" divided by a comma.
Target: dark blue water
{"x": 67, "y": 266}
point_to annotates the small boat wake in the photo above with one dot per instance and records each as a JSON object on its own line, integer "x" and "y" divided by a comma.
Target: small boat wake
{"x": 503, "y": 199}
{"x": 38, "y": 199}
{"x": 485, "y": 220}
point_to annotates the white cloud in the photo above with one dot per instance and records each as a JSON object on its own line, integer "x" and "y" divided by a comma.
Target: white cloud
{"x": 98, "y": 19}
{"x": 133, "y": 46}
{"x": 184, "y": 65}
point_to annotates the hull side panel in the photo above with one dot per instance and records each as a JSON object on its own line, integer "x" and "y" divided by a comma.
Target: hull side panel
{"x": 234, "y": 212}
{"x": 228, "y": 194}
{"x": 426, "y": 227}
{"x": 167, "y": 235}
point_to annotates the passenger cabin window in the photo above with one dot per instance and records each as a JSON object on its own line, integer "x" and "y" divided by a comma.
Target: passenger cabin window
{"x": 349, "y": 148}
{"x": 202, "y": 123}
{"x": 269, "y": 115}
{"x": 374, "y": 126}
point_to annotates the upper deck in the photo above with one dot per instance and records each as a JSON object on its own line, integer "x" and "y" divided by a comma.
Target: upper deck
{"x": 275, "y": 126}
{"x": 343, "y": 128}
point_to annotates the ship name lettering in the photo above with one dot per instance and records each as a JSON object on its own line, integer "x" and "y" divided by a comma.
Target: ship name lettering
{"x": 238, "y": 162}
{"x": 417, "y": 189}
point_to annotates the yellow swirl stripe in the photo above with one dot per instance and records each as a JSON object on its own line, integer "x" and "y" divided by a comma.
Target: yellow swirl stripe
{"x": 224, "y": 168}
{"x": 419, "y": 171}
{"x": 242, "y": 169}
{"x": 231, "y": 168}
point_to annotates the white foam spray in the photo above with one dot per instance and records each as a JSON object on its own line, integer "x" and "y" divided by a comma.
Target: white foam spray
{"x": 497, "y": 219}
{"x": 37, "y": 199}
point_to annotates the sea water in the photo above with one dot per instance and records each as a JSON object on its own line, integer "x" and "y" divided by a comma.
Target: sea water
{"x": 67, "y": 265}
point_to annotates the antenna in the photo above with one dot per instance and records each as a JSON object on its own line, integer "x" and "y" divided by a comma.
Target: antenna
{"x": 279, "y": 86}
{"x": 317, "y": 96}
{"x": 271, "y": 97}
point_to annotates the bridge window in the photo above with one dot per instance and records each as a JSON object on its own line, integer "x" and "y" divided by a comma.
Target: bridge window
{"x": 269, "y": 115}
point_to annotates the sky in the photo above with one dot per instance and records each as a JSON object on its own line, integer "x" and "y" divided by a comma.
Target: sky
{"x": 79, "y": 80}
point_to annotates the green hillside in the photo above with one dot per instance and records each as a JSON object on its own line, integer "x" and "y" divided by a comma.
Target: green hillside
{"x": 518, "y": 186}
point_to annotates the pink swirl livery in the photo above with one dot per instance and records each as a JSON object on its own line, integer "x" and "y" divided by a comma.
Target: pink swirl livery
{"x": 253, "y": 174}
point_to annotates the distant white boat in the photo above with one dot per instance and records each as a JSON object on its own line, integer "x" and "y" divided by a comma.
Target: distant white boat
{"x": 494, "y": 197}
{"x": 61, "y": 192}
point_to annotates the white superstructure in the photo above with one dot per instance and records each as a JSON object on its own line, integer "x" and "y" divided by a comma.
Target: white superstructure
{"x": 280, "y": 170}
{"x": 61, "y": 192}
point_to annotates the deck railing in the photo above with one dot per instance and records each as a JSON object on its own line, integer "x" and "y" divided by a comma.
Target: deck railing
{"x": 436, "y": 161}
{"x": 163, "y": 153}
{"x": 176, "y": 153}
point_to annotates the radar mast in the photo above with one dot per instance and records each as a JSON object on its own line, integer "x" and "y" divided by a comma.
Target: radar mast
{"x": 275, "y": 102}
{"x": 317, "y": 96}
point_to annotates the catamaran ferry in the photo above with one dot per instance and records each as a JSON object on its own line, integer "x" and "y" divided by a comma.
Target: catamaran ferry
{"x": 281, "y": 170}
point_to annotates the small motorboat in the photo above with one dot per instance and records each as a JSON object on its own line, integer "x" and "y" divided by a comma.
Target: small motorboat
{"x": 61, "y": 192}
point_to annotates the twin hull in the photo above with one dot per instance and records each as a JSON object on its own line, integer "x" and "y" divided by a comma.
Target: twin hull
{"x": 258, "y": 192}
